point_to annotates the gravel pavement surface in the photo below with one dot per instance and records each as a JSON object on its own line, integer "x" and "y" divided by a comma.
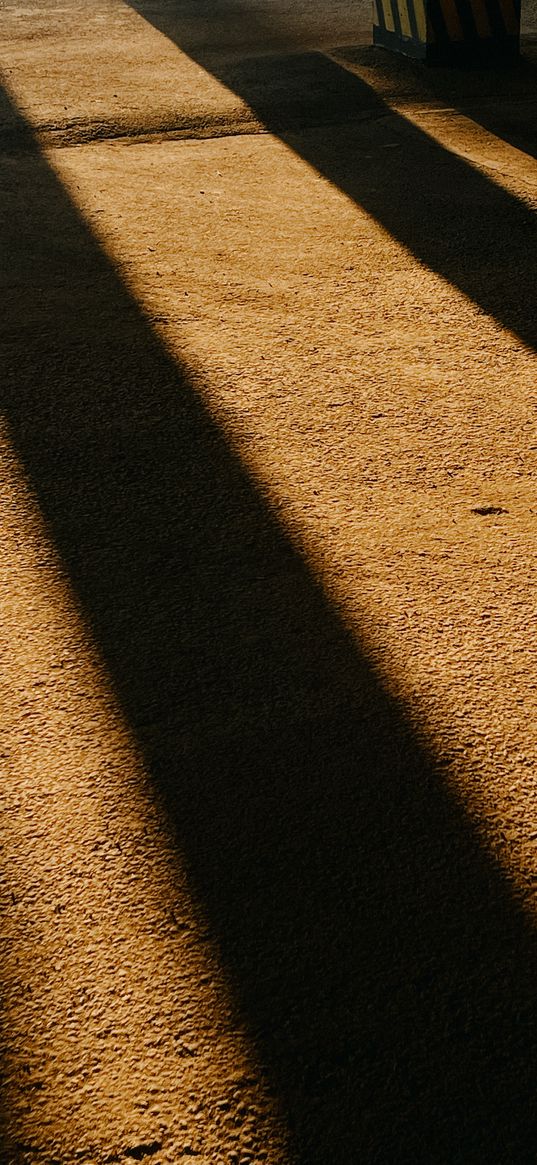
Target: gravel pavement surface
{"x": 269, "y": 697}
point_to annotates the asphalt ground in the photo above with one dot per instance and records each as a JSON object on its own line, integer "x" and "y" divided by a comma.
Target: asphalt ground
{"x": 268, "y": 592}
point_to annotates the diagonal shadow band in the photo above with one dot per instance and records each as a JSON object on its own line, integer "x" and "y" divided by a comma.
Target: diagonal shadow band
{"x": 452, "y": 217}
{"x": 384, "y": 970}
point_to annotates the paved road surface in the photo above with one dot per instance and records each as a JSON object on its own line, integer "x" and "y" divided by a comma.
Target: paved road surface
{"x": 268, "y": 592}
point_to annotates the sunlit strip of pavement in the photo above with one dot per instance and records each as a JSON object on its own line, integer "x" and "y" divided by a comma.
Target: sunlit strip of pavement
{"x": 458, "y": 129}
{"x": 335, "y": 365}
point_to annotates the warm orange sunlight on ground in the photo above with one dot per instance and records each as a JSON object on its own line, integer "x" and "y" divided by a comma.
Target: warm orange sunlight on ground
{"x": 269, "y": 726}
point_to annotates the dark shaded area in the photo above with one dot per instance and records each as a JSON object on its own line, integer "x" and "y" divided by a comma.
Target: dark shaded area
{"x": 380, "y": 961}
{"x": 138, "y": 1152}
{"x": 453, "y": 219}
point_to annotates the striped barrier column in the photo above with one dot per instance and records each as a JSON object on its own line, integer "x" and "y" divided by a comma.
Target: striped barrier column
{"x": 449, "y": 32}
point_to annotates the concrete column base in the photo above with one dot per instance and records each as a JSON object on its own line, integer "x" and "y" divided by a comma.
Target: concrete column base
{"x": 449, "y": 32}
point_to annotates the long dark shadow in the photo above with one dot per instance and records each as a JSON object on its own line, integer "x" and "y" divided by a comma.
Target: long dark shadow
{"x": 469, "y": 230}
{"x": 383, "y": 967}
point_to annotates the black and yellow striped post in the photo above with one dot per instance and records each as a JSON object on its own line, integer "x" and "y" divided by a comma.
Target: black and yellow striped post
{"x": 449, "y": 32}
